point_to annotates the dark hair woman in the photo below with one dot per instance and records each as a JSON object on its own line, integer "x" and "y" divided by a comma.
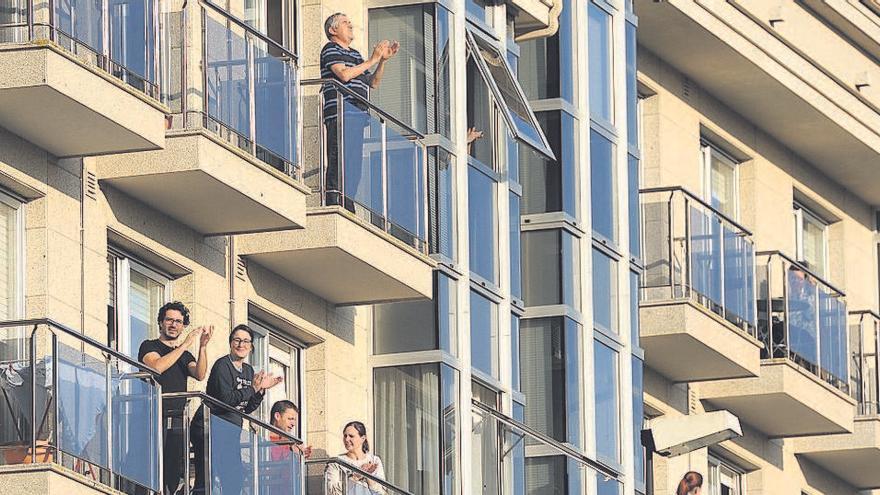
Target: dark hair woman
{"x": 357, "y": 453}
{"x": 690, "y": 484}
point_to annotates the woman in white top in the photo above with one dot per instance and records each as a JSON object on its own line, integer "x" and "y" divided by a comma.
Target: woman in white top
{"x": 354, "y": 437}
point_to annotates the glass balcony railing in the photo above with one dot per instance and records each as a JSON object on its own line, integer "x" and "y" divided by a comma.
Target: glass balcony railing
{"x": 694, "y": 252}
{"x": 372, "y": 164}
{"x": 70, "y": 400}
{"x": 337, "y": 477}
{"x": 234, "y": 452}
{"x": 802, "y": 318}
{"x": 511, "y": 457}
{"x": 864, "y": 342}
{"x": 118, "y": 36}
{"x": 246, "y": 92}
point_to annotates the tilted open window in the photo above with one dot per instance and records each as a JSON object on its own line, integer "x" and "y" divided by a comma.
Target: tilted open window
{"x": 508, "y": 95}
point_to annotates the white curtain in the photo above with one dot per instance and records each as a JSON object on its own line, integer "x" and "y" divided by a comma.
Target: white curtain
{"x": 408, "y": 426}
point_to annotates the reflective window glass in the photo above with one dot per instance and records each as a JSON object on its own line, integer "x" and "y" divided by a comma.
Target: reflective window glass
{"x": 484, "y": 335}
{"x": 599, "y": 33}
{"x": 604, "y": 292}
{"x": 602, "y": 186}
{"x": 607, "y": 410}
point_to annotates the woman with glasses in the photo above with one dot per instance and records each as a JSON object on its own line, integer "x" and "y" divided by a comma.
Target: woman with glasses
{"x": 233, "y": 382}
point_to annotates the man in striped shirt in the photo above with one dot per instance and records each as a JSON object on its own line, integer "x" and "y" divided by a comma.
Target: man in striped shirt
{"x": 344, "y": 64}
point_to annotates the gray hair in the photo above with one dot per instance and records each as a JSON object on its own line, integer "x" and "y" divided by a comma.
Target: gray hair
{"x": 332, "y": 22}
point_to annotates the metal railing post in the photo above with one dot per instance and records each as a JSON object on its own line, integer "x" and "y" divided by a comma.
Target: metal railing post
{"x": 786, "y": 310}
{"x": 340, "y": 147}
{"x": 109, "y": 418}
{"x": 689, "y": 247}
{"x": 252, "y": 92}
{"x": 671, "y": 236}
{"x": 186, "y": 465}
{"x": 34, "y": 392}
{"x": 255, "y": 462}
{"x": 206, "y": 450}
{"x": 424, "y": 192}
{"x": 30, "y": 19}
{"x": 384, "y": 179}
{"x": 55, "y": 404}
{"x": 160, "y": 440}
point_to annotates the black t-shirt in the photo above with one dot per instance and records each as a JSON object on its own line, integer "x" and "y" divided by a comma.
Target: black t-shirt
{"x": 174, "y": 378}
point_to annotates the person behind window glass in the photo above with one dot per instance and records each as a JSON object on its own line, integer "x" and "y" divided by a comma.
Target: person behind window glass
{"x": 170, "y": 357}
{"x": 354, "y": 437}
{"x": 690, "y": 484}
{"x": 342, "y": 63}
{"x": 234, "y": 383}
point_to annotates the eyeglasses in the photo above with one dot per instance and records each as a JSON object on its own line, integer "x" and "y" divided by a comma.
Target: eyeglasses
{"x": 238, "y": 341}
{"x": 175, "y": 321}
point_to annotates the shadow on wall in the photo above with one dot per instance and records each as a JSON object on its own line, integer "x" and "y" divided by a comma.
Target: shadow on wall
{"x": 208, "y": 252}
{"x": 337, "y": 321}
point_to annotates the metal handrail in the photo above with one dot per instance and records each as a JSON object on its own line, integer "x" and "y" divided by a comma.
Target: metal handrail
{"x": 227, "y": 408}
{"x": 568, "y": 451}
{"x": 243, "y": 25}
{"x": 801, "y": 267}
{"x": 49, "y": 322}
{"x": 339, "y": 87}
{"x": 699, "y": 200}
{"x": 360, "y": 472}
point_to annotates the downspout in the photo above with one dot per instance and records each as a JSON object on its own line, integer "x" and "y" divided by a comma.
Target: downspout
{"x": 552, "y": 24}
{"x": 230, "y": 243}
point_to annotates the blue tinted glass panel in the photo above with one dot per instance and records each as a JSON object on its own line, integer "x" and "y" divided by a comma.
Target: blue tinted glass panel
{"x": 446, "y": 314}
{"x": 635, "y": 241}
{"x": 634, "y": 308}
{"x": 484, "y": 335}
{"x": 514, "y": 353}
{"x": 231, "y": 457}
{"x": 227, "y": 77}
{"x": 599, "y": 32}
{"x": 602, "y": 186}
{"x": 739, "y": 275}
{"x": 136, "y": 430}
{"x": 406, "y": 190}
{"x": 706, "y": 254}
{"x": 81, "y": 20}
{"x": 632, "y": 95}
{"x": 607, "y": 421}
{"x": 802, "y": 315}
{"x": 275, "y": 103}
{"x": 573, "y": 382}
{"x": 607, "y": 487}
{"x": 638, "y": 419}
{"x": 515, "y": 249}
{"x": 832, "y": 335}
{"x": 132, "y": 32}
{"x": 482, "y": 226}
{"x": 82, "y": 405}
{"x": 279, "y": 470}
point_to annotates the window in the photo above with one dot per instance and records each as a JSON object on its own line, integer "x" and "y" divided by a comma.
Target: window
{"x": 607, "y": 410}
{"x": 416, "y": 87}
{"x": 485, "y": 448}
{"x": 480, "y": 117}
{"x": 273, "y": 18}
{"x": 507, "y": 93}
{"x": 635, "y": 217}
{"x": 418, "y": 325}
{"x": 11, "y": 274}
{"x": 549, "y": 185}
{"x": 724, "y": 479}
{"x": 639, "y": 462}
{"x": 484, "y": 335}
{"x": 721, "y": 180}
{"x": 514, "y": 353}
{"x": 549, "y": 73}
{"x": 811, "y": 239}
{"x": 277, "y": 354}
{"x": 136, "y": 294}
{"x": 602, "y": 186}
{"x": 416, "y": 423}
{"x": 551, "y": 268}
{"x": 549, "y": 353}
{"x": 515, "y": 247}
{"x": 599, "y": 33}
{"x": 482, "y": 225}
{"x": 632, "y": 92}
{"x": 634, "y": 308}
{"x": 478, "y": 10}
{"x": 604, "y": 292}
{"x": 442, "y": 202}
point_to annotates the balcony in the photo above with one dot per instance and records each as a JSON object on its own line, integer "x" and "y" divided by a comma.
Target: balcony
{"x": 233, "y": 150}
{"x": 365, "y": 236}
{"x": 255, "y": 457}
{"x": 81, "y": 78}
{"x": 697, "y": 290}
{"x": 73, "y": 408}
{"x": 854, "y": 457}
{"x": 804, "y": 369}
{"x": 742, "y": 62}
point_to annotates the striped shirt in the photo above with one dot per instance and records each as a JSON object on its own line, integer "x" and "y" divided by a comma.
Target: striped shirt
{"x": 333, "y": 53}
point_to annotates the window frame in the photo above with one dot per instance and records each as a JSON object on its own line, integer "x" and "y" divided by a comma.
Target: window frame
{"x": 708, "y": 151}
{"x": 472, "y": 46}
{"x": 125, "y": 264}
{"x": 716, "y": 465}
{"x": 269, "y": 332}
{"x": 803, "y": 215}
{"x": 17, "y": 308}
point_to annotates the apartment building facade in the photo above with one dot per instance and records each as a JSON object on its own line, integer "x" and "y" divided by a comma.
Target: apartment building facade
{"x": 758, "y": 201}
{"x": 471, "y": 301}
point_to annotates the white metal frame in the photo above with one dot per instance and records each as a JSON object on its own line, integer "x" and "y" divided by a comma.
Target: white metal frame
{"x": 707, "y": 152}
{"x": 802, "y": 216}
{"x": 124, "y": 266}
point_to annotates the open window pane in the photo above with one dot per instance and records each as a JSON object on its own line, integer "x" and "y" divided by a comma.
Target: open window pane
{"x": 508, "y": 94}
